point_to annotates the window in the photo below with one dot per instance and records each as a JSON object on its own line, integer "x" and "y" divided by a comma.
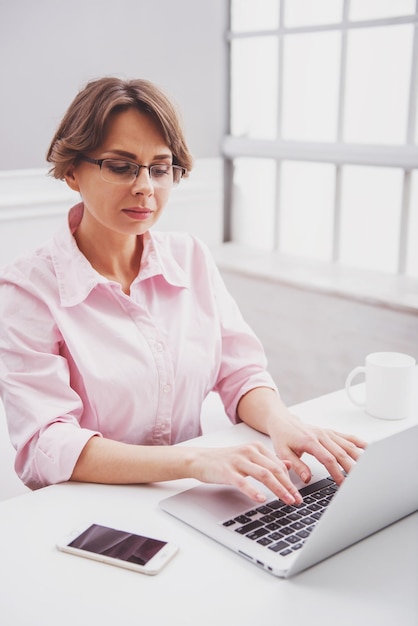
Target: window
{"x": 323, "y": 140}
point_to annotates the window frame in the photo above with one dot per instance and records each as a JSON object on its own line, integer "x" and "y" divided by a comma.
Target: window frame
{"x": 338, "y": 153}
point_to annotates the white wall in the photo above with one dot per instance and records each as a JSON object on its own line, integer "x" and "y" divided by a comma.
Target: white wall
{"x": 34, "y": 205}
{"x": 50, "y": 48}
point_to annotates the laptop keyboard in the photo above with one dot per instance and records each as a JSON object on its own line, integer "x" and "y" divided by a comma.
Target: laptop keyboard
{"x": 281, "y": 527}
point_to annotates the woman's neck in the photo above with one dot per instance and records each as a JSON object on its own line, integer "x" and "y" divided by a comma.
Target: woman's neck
{"x": 115, "y": 256}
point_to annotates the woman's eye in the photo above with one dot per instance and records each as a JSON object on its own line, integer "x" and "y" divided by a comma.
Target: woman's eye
{"x": 119, "y": 168}
{"x": 161, "y": 170}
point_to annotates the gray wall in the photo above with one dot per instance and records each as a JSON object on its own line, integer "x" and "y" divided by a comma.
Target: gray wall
{"x": 50, "y": 48}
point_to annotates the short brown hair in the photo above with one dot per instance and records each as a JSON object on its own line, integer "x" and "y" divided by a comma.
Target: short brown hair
{"x": 84, "y": 125}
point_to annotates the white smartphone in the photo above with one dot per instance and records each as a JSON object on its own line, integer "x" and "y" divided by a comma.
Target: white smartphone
{"x": 121, "y": 548}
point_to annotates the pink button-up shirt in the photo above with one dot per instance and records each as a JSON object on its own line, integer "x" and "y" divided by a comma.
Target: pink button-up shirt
{"x": 79, "y": 358}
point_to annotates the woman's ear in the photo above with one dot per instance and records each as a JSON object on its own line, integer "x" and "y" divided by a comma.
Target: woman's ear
{"x": 71, "y": 179}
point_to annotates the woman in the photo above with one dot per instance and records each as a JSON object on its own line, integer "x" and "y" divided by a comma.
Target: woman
{"x": 112, "y": 335}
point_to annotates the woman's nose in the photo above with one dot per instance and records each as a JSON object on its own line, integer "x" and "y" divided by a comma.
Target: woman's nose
{"x": 143, "y": 183}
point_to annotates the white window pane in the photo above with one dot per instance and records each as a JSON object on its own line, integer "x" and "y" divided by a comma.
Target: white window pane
{"x": 412, "y": 259}
{"x": 416, "y": 124}
{"x": 254, "y": 72}
{"x": 375, "y": 9}
{"x": 306, "y": 209}
{"x": 309, "y": 13}
{"x": 370, "y": 217}
{"x": 248, "y": 15}
{"x": 253, "y": 202}
{"x": 310, "y": 86}
{"x": 378, "y": 84}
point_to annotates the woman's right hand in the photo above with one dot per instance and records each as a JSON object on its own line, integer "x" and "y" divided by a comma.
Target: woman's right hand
{"x": 235, "y": 465}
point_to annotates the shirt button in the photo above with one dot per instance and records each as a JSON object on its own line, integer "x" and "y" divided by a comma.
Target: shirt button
{"x": 167, "y": 388}
{"x": 159, "y": 347}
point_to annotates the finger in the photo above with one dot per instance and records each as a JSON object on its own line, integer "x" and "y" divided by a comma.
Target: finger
{"x": 346, "y": 453}
{"x": 287, "y": 463}
{"x": 346, "y": 449}
{"x": 337, "y": 455}
{"x": 272, "y": 474}
{"x": 248, "y": 489}
{"x": 323, "y": 455}
{"x": 354, "y": 445}
{"x": 280, "y": 471}
{"x": 299, "y": 467}
{"x": 336, "y": 451}
{"x": 258, "y": 462}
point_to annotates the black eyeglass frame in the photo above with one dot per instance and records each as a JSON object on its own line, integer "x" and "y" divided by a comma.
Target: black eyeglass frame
{"x": 99, "y": 162}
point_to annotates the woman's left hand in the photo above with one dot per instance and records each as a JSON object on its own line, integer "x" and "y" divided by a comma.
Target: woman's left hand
{"x": 337, "y": 451}
{"x": 263, "y": 409}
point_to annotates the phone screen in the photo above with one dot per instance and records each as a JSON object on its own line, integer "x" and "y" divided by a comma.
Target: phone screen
{"x": 117, "y": 544}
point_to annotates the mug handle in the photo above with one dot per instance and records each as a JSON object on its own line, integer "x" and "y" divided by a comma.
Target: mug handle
{"x": 357, "y": 370}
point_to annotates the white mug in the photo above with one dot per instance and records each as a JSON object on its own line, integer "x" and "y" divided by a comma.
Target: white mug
{"x": 390, "y": 385}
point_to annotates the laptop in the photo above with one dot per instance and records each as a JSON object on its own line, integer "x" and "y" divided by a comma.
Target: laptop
{"x": 380, "y": 489}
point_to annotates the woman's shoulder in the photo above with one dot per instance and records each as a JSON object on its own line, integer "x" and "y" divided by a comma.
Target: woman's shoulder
{"x": 23, "y": 267}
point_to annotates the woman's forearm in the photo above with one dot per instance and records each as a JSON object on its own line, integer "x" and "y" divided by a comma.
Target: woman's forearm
{"x": 112, "y": 462}
{"x": 261, "y": 407}
{"x": 106, "y": 461}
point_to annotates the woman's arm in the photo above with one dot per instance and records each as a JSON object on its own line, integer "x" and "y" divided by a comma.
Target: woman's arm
{"x": 113, "y": 462}
{"x": 107, "y": 461}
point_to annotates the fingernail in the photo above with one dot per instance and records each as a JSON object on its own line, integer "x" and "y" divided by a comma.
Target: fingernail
{"x": 305, "y": 477}
{"x": 299, "y": 498}
{"x": 260, "y": 497}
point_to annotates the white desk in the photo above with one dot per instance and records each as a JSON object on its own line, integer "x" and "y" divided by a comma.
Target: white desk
{"x": 373, "y": 582}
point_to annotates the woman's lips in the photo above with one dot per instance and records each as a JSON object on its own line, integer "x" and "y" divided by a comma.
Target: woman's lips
{"x": 138, "y": 213}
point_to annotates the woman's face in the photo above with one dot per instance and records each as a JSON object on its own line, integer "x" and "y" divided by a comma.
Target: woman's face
{"x": 128, "y": 208}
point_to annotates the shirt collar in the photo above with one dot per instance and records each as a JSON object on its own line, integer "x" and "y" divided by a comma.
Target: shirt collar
{"x": 76, "y": 277}
{"x": 157, "y": 259}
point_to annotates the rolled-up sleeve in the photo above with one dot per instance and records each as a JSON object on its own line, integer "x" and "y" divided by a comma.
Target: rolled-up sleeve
{"x": 42, "y": 409}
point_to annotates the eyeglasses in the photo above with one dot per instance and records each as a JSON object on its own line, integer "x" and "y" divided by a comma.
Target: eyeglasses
{"x": 162, "y": 175}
